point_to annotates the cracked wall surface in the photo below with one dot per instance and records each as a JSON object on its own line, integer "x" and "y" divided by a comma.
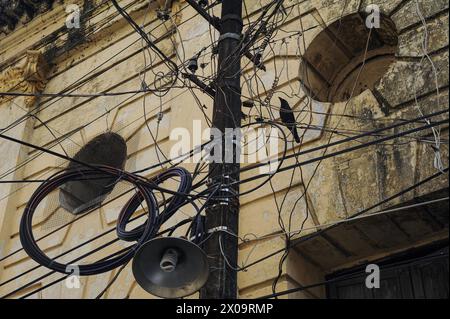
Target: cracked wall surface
{"x": 108, "y": 58}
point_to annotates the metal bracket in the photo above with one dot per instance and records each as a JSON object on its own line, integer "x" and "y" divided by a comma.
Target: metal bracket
{"x": 230, "y": 35}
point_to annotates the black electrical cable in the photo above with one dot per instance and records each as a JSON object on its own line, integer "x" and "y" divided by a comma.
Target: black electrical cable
{"x": 85, "y": 14}
{"x": 103, "y": 114}
{"x": 347, "y": 150}
{"x": 279, "y": 162}
{"x": 98, "y": 169}
{"x": 87, "y": 95}
{"x": 340, "y": 152}
{"x": 199, "y": 184}
{"x": 169, "y": 230}
{"x": 28, "y": 241}
{"x": 111, "y": 282}
{"x": 41, "y": 109}
{"x": 54, "y": 271}
{"x": 66, "y": 225}
{"x": 319, "y": 232}
{"x": 176, "y": 204}
{"x": 22, "y": 181}
{"x": 150, "y": 43}
{"x": 289, "y": 156}
{"x": 181, "y": 172}
{"x": 140, "y": 198}
{"x": 134, "y": 23}
{"x": 122, "y": 251}
{"x": 131, "y": 206}
{"x": 352, "y": 138}
{"x": 397, "y": 265}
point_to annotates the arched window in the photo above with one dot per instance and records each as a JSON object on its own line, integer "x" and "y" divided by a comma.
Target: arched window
{"x": 332, "y": 64}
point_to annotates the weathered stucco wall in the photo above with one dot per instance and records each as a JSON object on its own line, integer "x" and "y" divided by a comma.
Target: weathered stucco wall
{"x": 106, "y": 56}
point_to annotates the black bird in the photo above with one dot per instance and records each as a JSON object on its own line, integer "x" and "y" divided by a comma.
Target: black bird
{"x": 287, "y": 117}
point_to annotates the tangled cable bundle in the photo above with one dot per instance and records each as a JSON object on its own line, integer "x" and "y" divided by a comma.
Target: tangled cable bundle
{"x": 145, "y": 194}
{"x": 271, "y": 42}
{"x": 173, "y": 205}
{"x": 141, "y": 234}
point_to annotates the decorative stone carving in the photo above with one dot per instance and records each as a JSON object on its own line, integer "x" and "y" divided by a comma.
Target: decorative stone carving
{"x": 29, "y": 78}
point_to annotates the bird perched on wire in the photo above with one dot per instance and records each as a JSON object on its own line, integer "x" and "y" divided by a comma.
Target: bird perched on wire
{"x": 288, "y": 119}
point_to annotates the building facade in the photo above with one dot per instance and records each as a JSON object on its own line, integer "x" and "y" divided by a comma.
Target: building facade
{"x": 342, "y": 78}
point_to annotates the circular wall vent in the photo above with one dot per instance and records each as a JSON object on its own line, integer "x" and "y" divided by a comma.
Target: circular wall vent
{"x": 108, "y": 149}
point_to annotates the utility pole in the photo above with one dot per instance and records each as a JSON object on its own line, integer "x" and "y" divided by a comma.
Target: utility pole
{"x": 224, "y": 214}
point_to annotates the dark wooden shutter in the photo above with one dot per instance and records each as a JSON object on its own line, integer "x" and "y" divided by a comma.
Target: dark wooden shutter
{"x": 426, "y": 279}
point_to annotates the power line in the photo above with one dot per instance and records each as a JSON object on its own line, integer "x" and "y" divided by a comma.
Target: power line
{"x": 340, "y": 152}
{"x": 319, "y": 232}
{"x": 350, "y": 219}
{"x": 107, "y": 112}
{"x": 398, "y": 265}
{"x": 74, "y": 84}
{"x": 390, "y": 137}
{"x": 78, "y": 259}
{"x": 85, "y": 14}
{"x": 264, "y": 30}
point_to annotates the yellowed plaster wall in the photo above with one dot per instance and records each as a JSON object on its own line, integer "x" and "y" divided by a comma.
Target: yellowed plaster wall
{"x": 340, "y": 188}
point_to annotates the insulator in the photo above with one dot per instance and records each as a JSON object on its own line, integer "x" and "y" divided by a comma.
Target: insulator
{"x": 193, "y": 65}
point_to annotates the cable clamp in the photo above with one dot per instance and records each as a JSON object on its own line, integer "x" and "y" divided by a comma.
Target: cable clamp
{"x": 222, "y": 203}
{"x": 192, "y": 238}
{"x": 217, "y": 229}
{"x": 228, "y": 190}
{"x": 227, "y": 179}
{"x": 230, "y": 35}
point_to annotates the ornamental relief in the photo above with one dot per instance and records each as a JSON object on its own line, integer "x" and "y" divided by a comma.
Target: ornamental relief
{"x": 30, "y": 78}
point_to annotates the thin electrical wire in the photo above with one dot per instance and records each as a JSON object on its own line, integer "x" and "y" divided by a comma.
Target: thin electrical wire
{"x": 280, "y": 15}
{"x": 380, "y": 203}
{"x": 397, "y": 265}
